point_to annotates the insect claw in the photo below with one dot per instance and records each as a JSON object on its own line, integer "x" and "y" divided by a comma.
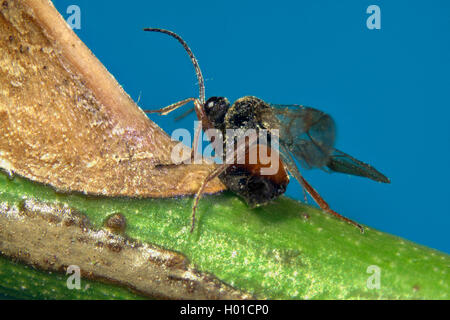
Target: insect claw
{"x": 357, "y": 225}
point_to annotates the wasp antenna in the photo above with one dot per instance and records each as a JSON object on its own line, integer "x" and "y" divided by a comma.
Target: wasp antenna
{"x": 198, "y": 72}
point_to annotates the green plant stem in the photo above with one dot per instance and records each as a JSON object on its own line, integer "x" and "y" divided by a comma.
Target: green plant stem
{"x": 286, "y": 250}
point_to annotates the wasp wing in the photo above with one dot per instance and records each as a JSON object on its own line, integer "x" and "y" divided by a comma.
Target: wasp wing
{"x": 309, "y": 134}
{"x": 344, "y": 163}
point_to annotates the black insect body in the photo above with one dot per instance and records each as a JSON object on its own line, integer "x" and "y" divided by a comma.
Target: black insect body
{"x": 255, "y": 189}
{"x": 245, "y": 179}
{"x": 304, "y": 134}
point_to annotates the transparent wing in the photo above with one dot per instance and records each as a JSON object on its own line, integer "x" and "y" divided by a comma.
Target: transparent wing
{"x": 344, "y": 163}
{"x": 308, "y": 133}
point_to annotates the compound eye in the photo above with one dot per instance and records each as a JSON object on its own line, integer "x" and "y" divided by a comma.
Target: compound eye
{"x": 210, "y": 104}
{"x": 213, "y": 102}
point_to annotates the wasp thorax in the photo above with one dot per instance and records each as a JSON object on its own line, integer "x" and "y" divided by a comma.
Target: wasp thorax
{"x": 216, "y": 109}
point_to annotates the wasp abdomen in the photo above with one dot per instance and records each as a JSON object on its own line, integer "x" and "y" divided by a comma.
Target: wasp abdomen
{"x": 249, "y": 181}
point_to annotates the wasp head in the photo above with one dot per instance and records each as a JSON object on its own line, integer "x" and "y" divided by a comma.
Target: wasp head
{"x": 215, "y": 109}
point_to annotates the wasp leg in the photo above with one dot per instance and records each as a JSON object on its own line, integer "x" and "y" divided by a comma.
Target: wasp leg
{"x": 166, "y": 110}
{"x": 324, "y": 206}
{"x": 292, "y": 168}
{"x": 184, "y": 115}
{"x": 305, "y": 195}
{"x": 198, "y": 107}
{"x": 195, "y": 143}
{"x": 213, "y": 174}
{"x": 238, "y": 155}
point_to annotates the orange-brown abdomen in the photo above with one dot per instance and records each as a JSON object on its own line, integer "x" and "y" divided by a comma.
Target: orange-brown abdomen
{"x": 247, "y": 181}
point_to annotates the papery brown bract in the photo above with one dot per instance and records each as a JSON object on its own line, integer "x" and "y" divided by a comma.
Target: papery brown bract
{"x": 66, "y": 122}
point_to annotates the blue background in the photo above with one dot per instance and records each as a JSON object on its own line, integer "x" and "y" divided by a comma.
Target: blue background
{"x": 388, "y": 89}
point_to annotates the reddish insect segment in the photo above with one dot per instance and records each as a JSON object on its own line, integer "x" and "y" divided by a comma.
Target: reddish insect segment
{"x": 305, "y": 134}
